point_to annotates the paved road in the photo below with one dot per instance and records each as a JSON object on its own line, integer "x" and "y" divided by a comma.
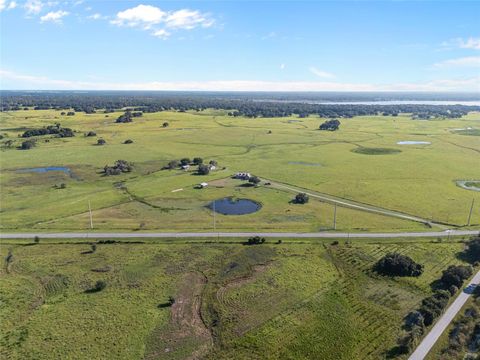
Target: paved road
{"x": 442, "y": 323}
{"x": 328, "y": 235}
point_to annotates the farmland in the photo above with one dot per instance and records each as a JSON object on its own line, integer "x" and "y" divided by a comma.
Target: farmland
{"x": 295, "y": 299}
{"x": 361, "y": 162}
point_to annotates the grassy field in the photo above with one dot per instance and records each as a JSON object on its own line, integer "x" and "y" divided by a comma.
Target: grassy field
{"x": 294, "y": 300}
{"x": 361, "y": 162}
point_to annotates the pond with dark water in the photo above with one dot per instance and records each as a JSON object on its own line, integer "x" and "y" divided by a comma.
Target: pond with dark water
{"x": 231, "y": 206}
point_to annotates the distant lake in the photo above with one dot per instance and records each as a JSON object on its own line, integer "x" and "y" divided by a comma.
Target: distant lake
{"x": 383, "y": 102}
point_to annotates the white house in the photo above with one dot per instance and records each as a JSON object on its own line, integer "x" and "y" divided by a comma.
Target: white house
{"x": 203, "y": 185}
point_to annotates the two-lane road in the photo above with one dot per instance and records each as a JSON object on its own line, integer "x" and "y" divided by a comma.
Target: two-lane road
{"x": 186, "y": 235}
{"x": 441, "y": 325}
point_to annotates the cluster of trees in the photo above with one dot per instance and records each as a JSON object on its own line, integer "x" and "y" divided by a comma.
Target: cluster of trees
{"x": 203, "y": 169}
{"x": 301, "y": 198}
{"x": 248, "y": 104}
{"x": 128, "y": 116}
{"x": 120, "y": 166}
{"x": 432, "y": 306}
{"x": 49, "y": 130}
{"x": 472, "y": 250}
{"x": 395, "y": 264}
{"x": 465, "y": 334}
{"x": 330, "y": 125}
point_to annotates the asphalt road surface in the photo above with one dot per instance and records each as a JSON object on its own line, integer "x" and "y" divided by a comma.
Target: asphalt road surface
{"x": 442, "y": 323}
{"x": 328, "y": 235}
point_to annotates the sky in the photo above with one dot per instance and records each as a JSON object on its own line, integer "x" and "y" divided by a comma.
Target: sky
{"x": 240, "y": 45}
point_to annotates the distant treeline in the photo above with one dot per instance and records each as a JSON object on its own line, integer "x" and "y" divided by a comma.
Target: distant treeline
{"x": 236, "y": 105}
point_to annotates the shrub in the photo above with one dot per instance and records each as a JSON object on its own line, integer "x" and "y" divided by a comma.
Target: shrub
{"x": 473, "y": 249}
{"x": 9, "y": 257}
{"x": 301, "y": 198}
{"x": 173, "y": 164}
{"x": 255, "y": 180}
{"x": 28, "y": 144}
{"x": 455, "y": 275}
{"x": 256, "y": 240}
{"x": 394, "y": 264}
{"x": 185, "y": 161}
{"x": 101, "y": 142}
{"x": 91, "y": 133}
{"x": 165, "y": 124}
{"x": 128, "y": 141}
{"x": 93, "y": 247}
{"x": 99, "y": 286}
{"x": 36, "y": 239}
{"x": 197, "y": 161}
{"x": 203, "y": 169}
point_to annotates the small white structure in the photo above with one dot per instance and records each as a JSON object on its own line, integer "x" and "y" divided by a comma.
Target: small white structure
{"x": 203, "y": 185}
{"x": 212, "y": 167}
{"x": 185, "y": 167}
{"x": 242, "y": 176}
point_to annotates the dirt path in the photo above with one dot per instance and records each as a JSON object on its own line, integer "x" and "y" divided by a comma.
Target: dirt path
{"x": 186, "y": 335}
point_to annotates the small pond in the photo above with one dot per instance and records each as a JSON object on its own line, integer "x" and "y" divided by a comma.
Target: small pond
{"x": 469, "y": 184}
{"x": 231, "y": 206}
{"x": 45, "y": 169}
{"x": 411, "y": 142}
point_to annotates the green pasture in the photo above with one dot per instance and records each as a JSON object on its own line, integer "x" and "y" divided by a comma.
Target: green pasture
{"x": 272, "y": 301}
{"x": 360, "y": 162}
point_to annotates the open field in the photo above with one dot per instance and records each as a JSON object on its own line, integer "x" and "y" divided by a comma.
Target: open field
{"x": 297, "y": 299}
{"x": 360, "y": 162}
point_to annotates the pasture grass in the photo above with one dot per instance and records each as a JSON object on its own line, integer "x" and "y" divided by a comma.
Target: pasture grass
{"x": 419, "y": 180}
{"x": 297, "y": 299}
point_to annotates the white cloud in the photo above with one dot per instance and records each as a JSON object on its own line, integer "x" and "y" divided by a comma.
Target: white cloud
{"x": 187, "y": 19}
{"x": 33, "y": 6}
{"x": 96, "y": 16}
{"x": 282, "y": 66}
{"x": 270, "y": 35}
{"x": 141, "y": 15}
{"x": 321, "y": 73}
{"x": 54, "y": 16}
{"x": 161, "y": 33}
{"x": 7, "y": 5}
{"x": 469, "y": 61}
{"x": 470, "y": 43}
{"x": 149, "y": 17}
{"x": 40, "y": 82}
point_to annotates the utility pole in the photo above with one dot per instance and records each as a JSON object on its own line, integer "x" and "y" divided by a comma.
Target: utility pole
{"x": 214, "y": 218}
{"x": 471, "y": 210}
{"x": 335, "y": 217}
{"x": 90, "y": 211}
